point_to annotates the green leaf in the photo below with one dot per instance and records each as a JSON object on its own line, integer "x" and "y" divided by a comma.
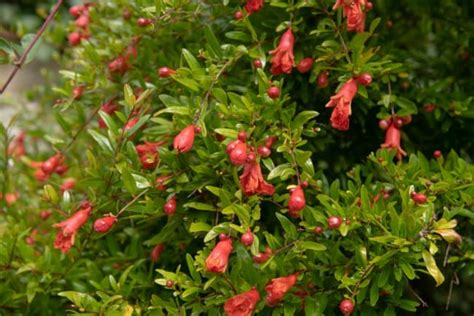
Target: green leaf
{"x": 192, "y": 270}
{"x": 191, "y": 61}
{"x": 101, "y": 140}
{"x": 287, "y": 225}
{"x": 199, "y": 227}
{"x": 200, "y": 206}
{"x": 373, "y": 25}
{"x": 227, "y": 132}
{"x": 189, "y": 83}
{"x": 407, "y": 105}
{"x": 433, "y": 268}
{"x": 283, "y": 171}
{"x": 302, "y": 118}
{"x": 239, "y": 36}
{"x": 129, "y": 96}
{"x": 140, "y": 181}
{"x": 311, "y": 245}
{"x": 109, "y": 121}
{"x": 81, "y": 300}
{"x": 51, "y": 194}
{"x": 212, "y": 41}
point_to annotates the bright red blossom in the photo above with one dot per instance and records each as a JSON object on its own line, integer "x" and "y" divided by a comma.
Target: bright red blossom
{"x": 252, "y": 182}
{"x": 218, "y": 259}
{"x": 296, "y": 202}
{"x": 242, "y": 304}
{"x": 68, "y": 229}
{"x": 238, "y": 155}
{"x": 253, "y": 6}
{"x": 104, "y": 224}
{"x": 148, "y": 154}
{"x": 392, "y": 140}
{"x": 183, "y": 142}
{"x": 278, "y": 287}
{"x": 341, "y": 102}
{"x": 354, "y": 12}
{"x": 283, "y": 58}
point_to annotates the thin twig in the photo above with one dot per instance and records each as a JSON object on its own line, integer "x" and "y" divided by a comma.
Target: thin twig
{"x": 205, "y": 100}
{"x": 19, "y": 63}
{"x": 131, "y": 202}
{"x": 423, "y": 303}
{"x": 454, "y": 280}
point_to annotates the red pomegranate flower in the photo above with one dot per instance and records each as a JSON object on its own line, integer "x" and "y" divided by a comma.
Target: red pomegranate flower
{"x": 183, "y": 142}
{"x": 252, "y": 182}
{"x": 342, "y": 105}
{"x": 242, "y": 304}
{"x": 354, "y": 12}
{"x": 218, "y": 259}
{"x": 253, "y": 6}
{"x": 148, "y": 154}
{"x": 68, "y": 229}
{"x": 392, "y": 140}
{"x": 104, "y": 224}
{"x": 278, "y": 287}
{"x": 283, "y": 58}
{"x": 297, "y": 201}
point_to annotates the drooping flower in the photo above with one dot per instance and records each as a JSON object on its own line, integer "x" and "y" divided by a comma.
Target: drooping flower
{"x": 183, "y": 142}
{"x": 354, "y": 10}
{"x": 296, "y": 202}
{"x": 218, "y": 259}
{"x": 278, "y": 287}
{"x": 392, "y": 140}
{"x": 283, "y": 58}
{"x": 252, "y": 182}
{"x": 253, "y": 6}
{"x": 68, "y": 229}
{"x": 242, "y": 304}
{"x": 341, "y": 102}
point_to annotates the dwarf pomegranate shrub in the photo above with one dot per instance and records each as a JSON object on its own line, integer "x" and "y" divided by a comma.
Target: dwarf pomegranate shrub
{"x": 278, "y": 161}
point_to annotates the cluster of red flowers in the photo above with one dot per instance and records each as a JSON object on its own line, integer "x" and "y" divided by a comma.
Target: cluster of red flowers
{"x": 121, "y": 64}
{"x": 251, "y": 180}
{"x": 54, "y": 164}
{"x": 81, "y": 13}
{"x": 243, "y": 304}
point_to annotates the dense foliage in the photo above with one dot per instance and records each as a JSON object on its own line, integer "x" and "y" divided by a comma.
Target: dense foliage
{"x": 275, "y": 157}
